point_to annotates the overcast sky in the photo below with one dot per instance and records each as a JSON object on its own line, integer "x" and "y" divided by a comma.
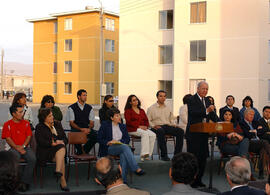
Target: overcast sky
{"x": 16, "y": 34}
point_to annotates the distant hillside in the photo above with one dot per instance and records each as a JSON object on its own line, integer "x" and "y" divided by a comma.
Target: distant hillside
{"x": 17, "y": 68}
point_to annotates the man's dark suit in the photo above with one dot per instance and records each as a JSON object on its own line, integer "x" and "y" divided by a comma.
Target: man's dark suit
{"x": 244, "y": 190}
{"x": 236, "y": 114}
{"x": 265, "y": 128}
{"x": 197, "y": 143}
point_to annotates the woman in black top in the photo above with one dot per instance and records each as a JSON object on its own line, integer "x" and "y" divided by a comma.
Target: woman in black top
{"x": 51, "y": 144}
{"x": 107, "y": 104}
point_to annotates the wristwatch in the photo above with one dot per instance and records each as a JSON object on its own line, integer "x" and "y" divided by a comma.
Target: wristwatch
{"x": 23, "y": 146}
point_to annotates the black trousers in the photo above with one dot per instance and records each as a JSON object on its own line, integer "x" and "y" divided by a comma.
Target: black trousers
{"x": 169, "y": 130}
{"x": 91, "y": 141}
{"x": 197, "y": 144}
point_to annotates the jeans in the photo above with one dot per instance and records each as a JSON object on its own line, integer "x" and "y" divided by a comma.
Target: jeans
{"x": 30, "y": 159}
{"x": 240, "y": 149}
{"x": 127, "y": 160}
{"x": 91, "y": 141}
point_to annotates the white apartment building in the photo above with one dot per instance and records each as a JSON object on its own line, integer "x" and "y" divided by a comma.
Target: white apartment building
{"x": 174, "y": 44}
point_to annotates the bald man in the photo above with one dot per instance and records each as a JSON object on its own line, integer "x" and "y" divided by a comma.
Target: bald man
{"x": 199, "y": 110}
{"x": 109, "y": 175}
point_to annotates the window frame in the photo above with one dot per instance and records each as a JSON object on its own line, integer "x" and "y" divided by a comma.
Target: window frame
{"x": 70, "y": 64}
{"x": 197, "y": 51}
{"x": 159, "y": 88}
{"x": 54, "y": 87}
{"x": 69, "y": 41}
{"x": 159, "y": 54}
{"x": 55, "y": 68}
{"x": 159, "y": 24}
{"x": 197, "y": 13}
{"x": 70, "y": 88}
{"x": 109, "y": 24}
{"x": 112, "y": 45}
{"x": 112, "y": 88}
{"x": 68, "y": 24}
{"x": 111, "y": 68}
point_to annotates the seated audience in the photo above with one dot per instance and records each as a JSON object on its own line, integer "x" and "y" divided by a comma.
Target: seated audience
{"x": 229, "y": 105}
{"x": 161, "y": 121}
{"x": 51, "y": 144}
{"x": 233, "y": 143}
{"x": 113, "y": 140}
{"x": 183, "y": 171}
{"x": 48, "y": 102}
{"x": 17, "y": 133}
{"x": 8, "y": 173}
{"x": 107, "y": 104}
{"x": 109, "y": 175}
{"x": 20, "y": 98}
{"x": 248, "y": 103}
{"x": 183, "y": 113}
{"x": 265, "y": 123}
{"x": 252, "y": 131}
{"x": 238, "y": 173}
{"x": 138, "y": 125}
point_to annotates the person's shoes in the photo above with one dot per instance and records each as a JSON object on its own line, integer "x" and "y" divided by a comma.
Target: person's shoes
{"x": 23, "y": 187}
{"x": 198, "y": 185}
{"x": 165, "y": 158}
{"x": 140, "y": 173}
{"x": 58, "y": 175}
{"x": 66, "y": 189}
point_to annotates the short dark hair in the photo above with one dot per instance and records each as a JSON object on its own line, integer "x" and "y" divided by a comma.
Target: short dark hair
{"x": 186, "y": 98}
{"x": 247, "y": 98}
{"x": 230, "y": 96}
{"x": 111, "y": 176}
{"x": 13, "y": 108}
{"x": 112, "y": 111}
{"x": 8, "y": 172}
{"x": 17, "y": 97}
{"x": 45, "y": 99}
{"x": 43, "y": 113}
{"x": 129, "y": 99}
{"x": 79, "y": 93}
{"x": 266, "y": 107}
{"x": 184, "y": 168}
{"x": 160, "y": 91}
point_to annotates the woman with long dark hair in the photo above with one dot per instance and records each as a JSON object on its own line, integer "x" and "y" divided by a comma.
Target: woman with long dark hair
{"x": 48, "y": 102}
{"x": 138, "y": 125}
{"x": 248, "y": 103}
{"x": 107, "y": 104}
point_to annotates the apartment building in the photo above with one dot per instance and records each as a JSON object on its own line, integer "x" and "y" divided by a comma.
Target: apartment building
{"x": 174, "y": 44}
{"x": 67, "y": 55}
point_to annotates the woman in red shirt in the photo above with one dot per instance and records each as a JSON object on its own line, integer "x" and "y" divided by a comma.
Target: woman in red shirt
{"x": 137, "y": 124}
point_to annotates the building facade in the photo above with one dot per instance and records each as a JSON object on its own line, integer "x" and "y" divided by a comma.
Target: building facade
{"x": 173, "y": 45}
{"x": 67, "y": 55}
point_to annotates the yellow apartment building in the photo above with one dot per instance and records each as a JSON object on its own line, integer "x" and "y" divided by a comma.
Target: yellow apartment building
{"x": 66, "y": 55}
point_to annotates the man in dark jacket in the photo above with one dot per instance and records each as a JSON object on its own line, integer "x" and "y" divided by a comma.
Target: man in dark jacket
{"x": 238, "y": 173}
{"x": 265, "y": 123}
{"x": 229, "y": 105}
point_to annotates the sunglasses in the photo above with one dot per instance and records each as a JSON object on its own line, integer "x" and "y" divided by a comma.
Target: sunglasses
{"x": 110, "y": 100}
{"x": 49, "y": 101}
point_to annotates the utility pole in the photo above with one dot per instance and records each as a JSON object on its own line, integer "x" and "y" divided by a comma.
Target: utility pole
{"x": 2, "y": 73}
{"x": 101, "y": 55}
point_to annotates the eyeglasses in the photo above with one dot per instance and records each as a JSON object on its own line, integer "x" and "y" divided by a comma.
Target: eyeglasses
{"x": 110, "y": 100}
{"x": 49, "y": 101}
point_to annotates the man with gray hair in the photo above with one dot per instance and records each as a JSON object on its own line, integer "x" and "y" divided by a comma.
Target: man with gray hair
{"x": 238, "y": 173}
{"x": 200, "y": 110}
{"x": 252, "y": 130}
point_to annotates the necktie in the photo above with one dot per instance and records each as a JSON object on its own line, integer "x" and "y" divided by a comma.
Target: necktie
{"x": 203, "y": 102}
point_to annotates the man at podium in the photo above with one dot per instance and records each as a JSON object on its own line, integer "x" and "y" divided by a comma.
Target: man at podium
{"x": 199, "y": 110}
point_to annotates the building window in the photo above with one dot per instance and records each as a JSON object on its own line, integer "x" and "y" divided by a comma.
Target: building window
{"x": 109, "y": 24}
{"x": 68, "y": 24}
{"x": 68, "y": 45}
{"x": 109, "y": 67}
{"x": 68, "y": 88}
{"x": 198, "y": 50}
{"x": 109, "y": 45}
{"x": 193, "y": 83}
{"x": 54, "y": 87}
{"x": 166, "y": 86}
{"x": 55, "y": 47}
{"x": 55, "y": 28}
{"x": 165, "y": 54}
{"x": 55, "y": 67}
{"x": 109, "y": 88}
{"x": 166, "y": 19}
{"x": 68, "y": 66}
{"x": 198, "y": 12}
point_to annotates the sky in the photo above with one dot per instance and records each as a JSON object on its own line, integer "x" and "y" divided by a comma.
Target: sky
{"x": 16, "y": 34}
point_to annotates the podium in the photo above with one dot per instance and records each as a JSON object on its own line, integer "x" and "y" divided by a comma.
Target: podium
{"x": 212, "y": 129}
